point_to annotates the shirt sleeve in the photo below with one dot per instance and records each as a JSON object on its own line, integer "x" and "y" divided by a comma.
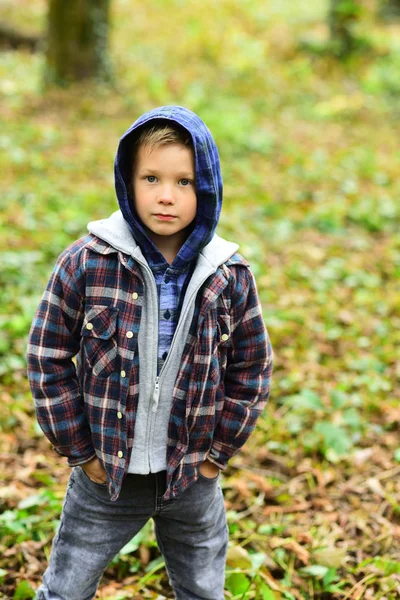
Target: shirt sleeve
{"x": 54, "y": 339}
{"x": 248, "y": 373}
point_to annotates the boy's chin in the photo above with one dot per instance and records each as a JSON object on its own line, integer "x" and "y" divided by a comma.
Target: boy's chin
{"x": 181, "y": 234}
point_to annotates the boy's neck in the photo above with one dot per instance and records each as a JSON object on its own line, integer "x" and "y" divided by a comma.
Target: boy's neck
{"x": 168, "y": 254}
{"x": 170, "y": 245}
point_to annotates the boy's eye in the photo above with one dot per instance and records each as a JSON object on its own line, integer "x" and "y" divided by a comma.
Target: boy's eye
{"x": 185, "y": 182}
{"x": 151, "y": 178}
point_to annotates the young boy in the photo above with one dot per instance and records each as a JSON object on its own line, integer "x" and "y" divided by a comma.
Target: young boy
{"x": 173, "y": 366}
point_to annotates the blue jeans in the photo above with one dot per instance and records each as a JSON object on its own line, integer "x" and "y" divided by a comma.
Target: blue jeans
{"x": 191, "y": 533}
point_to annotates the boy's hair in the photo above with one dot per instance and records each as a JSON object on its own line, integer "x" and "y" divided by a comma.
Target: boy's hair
{"x": 161, "y": 134}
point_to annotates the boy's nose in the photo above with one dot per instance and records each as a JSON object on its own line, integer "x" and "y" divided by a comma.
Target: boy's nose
{"x": 166, "y": 195}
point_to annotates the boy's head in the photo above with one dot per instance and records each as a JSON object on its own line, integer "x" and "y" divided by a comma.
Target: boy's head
{"x": 163, "y": 182}
{"x": 179, "y": 135}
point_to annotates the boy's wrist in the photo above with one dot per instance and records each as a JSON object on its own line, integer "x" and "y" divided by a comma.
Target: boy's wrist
{"x": 95, "y": 470}
{"x": 208, "y": 468}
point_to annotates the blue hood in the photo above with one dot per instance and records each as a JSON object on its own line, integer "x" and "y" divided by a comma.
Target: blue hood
{"x": 208, "y": 184}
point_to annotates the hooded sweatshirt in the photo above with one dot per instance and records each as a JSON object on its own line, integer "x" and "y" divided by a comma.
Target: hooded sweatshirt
{"x": 172, "y": 280}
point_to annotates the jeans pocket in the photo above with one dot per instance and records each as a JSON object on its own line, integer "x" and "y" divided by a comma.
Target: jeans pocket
{"x": 99, "y": 485}
{"x": 209, "y": 479}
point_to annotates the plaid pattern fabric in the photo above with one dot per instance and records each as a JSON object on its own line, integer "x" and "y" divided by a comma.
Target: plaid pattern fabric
{"x": 91, "y": 310}
{"x": 171, "y": 290}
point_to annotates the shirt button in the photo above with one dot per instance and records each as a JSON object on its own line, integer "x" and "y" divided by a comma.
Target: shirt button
{"x": 89, "y": 326}
{"x": 129, "y": 334}
{"x": 224, "y": 337}
{"x": 119, "y": 415}
{"x": 120, "y": 454}
{"x": 135, "y": 296}
{"x": 123, "y": 374}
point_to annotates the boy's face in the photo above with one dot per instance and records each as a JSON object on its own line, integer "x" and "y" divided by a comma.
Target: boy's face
{"x": 164, "y": 192}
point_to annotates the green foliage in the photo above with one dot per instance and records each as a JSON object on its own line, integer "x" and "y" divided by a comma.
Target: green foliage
{"x": 237, "y": 583}
{"x": 32, "y": 519}
{"x": 325, "y": 580}
{"x": 332, "y": 427}
{"x": 385, "y": 566}
{"x": 382, "y": 77}
{"x": 23, "y": 591}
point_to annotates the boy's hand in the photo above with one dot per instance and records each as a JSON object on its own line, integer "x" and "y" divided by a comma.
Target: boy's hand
{"x": 208, "y": 469}
{"x": 95, "y": 470}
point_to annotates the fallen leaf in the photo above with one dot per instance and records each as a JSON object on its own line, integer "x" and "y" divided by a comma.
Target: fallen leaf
{"x": 330, "y": 557}
{"x": 238, "y": 558}
{"x": 375, "y": 486}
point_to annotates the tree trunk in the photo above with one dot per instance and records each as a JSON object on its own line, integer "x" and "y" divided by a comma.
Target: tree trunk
{"x": 77, "y": 45}
{"x": 389, "y": 9}
{"x": 343, "y": 15}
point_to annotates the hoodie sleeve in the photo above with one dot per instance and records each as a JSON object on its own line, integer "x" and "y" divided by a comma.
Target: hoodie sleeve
{"x": 54, "y": 339}
{"x": 248, "y": 374}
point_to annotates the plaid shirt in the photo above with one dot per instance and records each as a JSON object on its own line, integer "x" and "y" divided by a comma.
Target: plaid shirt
{"x": 91, "y": 310}
{"x": 171, "y": 288}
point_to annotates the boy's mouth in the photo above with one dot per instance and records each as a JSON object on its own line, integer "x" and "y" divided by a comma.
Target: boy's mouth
{"x": 162, "y": 217}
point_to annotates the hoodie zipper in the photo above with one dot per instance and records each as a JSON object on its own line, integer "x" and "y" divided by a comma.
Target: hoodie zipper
{"x": 156, "y": 394}
{"x": 156, "y": 388}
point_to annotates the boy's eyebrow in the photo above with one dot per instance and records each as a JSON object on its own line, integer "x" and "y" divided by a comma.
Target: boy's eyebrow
{"x": 186, "y": 175}
{"x": 182, "y": 174}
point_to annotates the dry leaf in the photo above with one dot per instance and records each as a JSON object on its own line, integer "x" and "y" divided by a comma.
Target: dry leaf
{"x": 238, "y": 558}
{"x": 330, "y": 557}
{"x": 375, "y": 486}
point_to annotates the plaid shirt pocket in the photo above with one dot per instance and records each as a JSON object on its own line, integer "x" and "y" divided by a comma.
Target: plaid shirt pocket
{"x": 99, "y": 339}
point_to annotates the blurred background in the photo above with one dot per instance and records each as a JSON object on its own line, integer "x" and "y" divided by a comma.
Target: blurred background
{"x": 303, "y": 99}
